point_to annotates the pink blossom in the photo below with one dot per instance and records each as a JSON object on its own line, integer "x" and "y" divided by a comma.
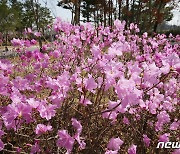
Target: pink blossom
{"x": 163, "y": 117}
{"x": 1, "y": 145}
{"x": 65, "y": 140}
{"x": 111, "y": 115}
{"x": 119, "y": 25}
{"x": 37, "y": 34}
{"x": 17, "y": 42}
{"x": 5, "y": 65}
{"x": 146, "y": 140}
{"x": 111, "y": 152}
{"x": 132, "y": 149}
{"x": 33, "y": 42}
{"x": 115, "y": 51}
{"x": 27, "y": 43}
{"x": 4, "y": 84}
{"x": 115, "y": 143}
{"x": 85, "y": 101}
{"x": 126, "y": 121}
{"x": 90, "y": 84}
{"x": 19, "y": 111}
{"x": 21, "y": 84}
{"x": 174, "y": 125}
{"x": 77, "y": 125}
{"x": 41, "y": 129}
{"x": 47, "y": 111}
{"x": 33, "y": 103}
{"x": 103, "y": 72}
{"x": 177, "y": 67}
{"x": 176, "y": 151}
{"x": 28, "y": 30}
{"x": 164, "y": 137}
{"x": 35, "y": 149}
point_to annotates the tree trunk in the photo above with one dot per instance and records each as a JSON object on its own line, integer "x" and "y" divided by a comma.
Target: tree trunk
{"x": 36, "y": 17}
{"x": 150, "y": 15}
{"x": 132, "y": 16}
{"x": 119, "y": 13}
{"x": 127, "y": 9}
{"x": 139, "y": 12}
{"x": 109, "y": 10}
{"x": 72, "y": 15}
{"x": 158, "y": 13}
{"x": 104, "y": 12}
{"x": 77, "y": 12}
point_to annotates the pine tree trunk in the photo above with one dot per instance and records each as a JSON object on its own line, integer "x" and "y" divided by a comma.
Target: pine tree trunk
{"x": 119, "y": 13}
{"x": 158, "y": 12}
{"x": 77, "y": 12}
{"x": 104, "y": 12}
{"x": 132, "y": 16}
{"x": 127, "y": 9}
{"x": 150, "y": 16}
{"x": 109, "y": 10}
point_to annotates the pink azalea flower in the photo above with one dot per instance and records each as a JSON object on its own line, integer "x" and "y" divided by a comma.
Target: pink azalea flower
{"x": 41, "y": 129}
{"x": 27, "y": 43}
{"x": 33, "y": 42}
{"x": 37, "y": 34}
{"x": 21, "y": 84}
{"x": 119, "y": 26}
{"x": 111, "y": 115}
{"x": 65, "y": 140}
{"x": 146, "y": 140}
{"x": 85, "y": 101}
{"x": 111, "y": 152}
{"x": 164, "y": 137}
{"x": 177, "y": 151}
{"x": 90, "y": 84}
{"x": 132, "y": 149}
{"x": 177, "y": 67}
{"x": 4, "y": 85}
{"x": 20, "y": 112}
{"x": 174, "y": 125}
{"x": 47, "y": 111}
{"x": 5, "y": 65}
{"x": 35, "y": 149}
{"x": 28, "y": 30}
{"x": 1, "y": 145}
{"x": 126, "y": 121}
{"x": 77, "y": 125}
{"x": 114, "y": 144}
{"x": 163, "y": 118}
{"x": 17, "y": 42}
{"x": 33, "y": 103}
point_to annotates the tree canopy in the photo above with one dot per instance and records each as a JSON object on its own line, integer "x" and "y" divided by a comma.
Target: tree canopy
{"x": 146, "y": 13}
{"x": 15, "y": 16}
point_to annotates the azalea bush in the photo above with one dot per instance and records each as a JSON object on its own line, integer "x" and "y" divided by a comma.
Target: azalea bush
{"x": 105, "y": 90}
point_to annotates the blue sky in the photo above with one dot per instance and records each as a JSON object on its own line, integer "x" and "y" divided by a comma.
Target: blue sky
{"x": 66, "y": 14}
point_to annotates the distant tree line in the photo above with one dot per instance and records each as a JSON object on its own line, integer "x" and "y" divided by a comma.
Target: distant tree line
{"x": 148, "y": 14}
{"x": 18, "y": 15}
{"x": 169, "y": 29}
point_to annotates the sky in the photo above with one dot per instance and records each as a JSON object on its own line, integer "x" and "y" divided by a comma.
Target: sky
{"x": 66, "y": 14}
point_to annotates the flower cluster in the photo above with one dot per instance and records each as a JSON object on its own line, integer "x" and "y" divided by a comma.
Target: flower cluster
{"x": 92, "y": 90}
